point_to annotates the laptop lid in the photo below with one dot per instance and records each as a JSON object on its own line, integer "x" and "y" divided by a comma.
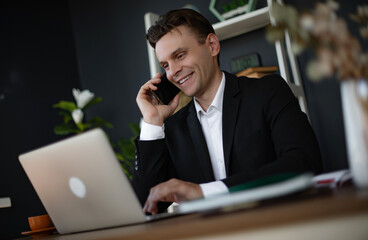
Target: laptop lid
{"x": 81, "y": 184}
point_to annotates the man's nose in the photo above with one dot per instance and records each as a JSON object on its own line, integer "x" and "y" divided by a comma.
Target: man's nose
{"x": 175, "y": 69}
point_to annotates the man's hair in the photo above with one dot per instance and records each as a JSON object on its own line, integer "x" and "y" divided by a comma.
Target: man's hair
{"x": 175, "y": 18}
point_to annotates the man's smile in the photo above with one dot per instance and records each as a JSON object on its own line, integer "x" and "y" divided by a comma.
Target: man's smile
{"x": 184, "y": 79}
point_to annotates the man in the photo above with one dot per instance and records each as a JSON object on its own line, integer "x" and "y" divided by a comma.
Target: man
{"x": 235, "y": 129}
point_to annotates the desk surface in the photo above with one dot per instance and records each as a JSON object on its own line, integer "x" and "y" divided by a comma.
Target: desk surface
{"x": 342, "y": 213}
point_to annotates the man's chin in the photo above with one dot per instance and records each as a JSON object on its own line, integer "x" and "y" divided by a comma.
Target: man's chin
{"x": 188, "y": 93}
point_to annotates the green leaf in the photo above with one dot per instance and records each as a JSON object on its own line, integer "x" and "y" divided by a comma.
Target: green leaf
{"x": 99, "y": 122}
{"x": 80, "y": 126}
{"x": 241, "y": 2}
{"x": 132, "y": 140}
{"x": 233, "y": 5}
{"x": 66, "y": 115}
{"x": 120, "y": 156}
{"x": 64, "y": 129}
{"x": 127, "y": 148}
{"x": 127, "y": 163}
{"x": 84, "y": 126}
{"x": 225, "y": 8}
{"x": 135, "y": 128}
{"x": 87, "y": 125}
{"x": 92, "y": 102}
{"x": 65, "y": 105}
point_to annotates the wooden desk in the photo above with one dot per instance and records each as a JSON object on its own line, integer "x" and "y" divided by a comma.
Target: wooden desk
{"x": 340, "y": 214}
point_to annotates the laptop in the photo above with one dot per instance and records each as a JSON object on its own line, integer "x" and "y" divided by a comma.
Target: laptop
{"x": 82, "y": 185}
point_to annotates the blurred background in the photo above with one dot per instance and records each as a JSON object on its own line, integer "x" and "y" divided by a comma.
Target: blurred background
{"x": 49, "y": 47}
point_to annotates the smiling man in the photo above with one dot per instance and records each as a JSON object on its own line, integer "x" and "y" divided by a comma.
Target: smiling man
{"x": 235, "y": 130}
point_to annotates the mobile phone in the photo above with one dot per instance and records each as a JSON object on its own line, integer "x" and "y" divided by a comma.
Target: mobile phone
{"x": 166, "y": 91}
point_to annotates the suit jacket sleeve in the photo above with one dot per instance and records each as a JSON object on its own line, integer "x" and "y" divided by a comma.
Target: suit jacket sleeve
{"x": 152, "y": 166}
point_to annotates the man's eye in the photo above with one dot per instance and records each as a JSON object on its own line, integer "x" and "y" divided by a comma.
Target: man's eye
{"x": 165, "y": 66}
{"x": 181, "y": 55}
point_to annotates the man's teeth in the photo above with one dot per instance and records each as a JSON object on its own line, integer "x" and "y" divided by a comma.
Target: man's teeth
{"x": 184, "y": 79}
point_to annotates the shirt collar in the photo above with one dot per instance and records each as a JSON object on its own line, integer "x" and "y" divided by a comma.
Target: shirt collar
{"x": 216, "y": 102}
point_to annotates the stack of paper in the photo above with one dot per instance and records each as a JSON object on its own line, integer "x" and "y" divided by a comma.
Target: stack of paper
{"x": 333, "y": 179}
{"x": 262, "y": 189}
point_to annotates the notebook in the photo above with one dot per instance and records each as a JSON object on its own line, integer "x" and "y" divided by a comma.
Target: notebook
{"x": 82, "y": 185}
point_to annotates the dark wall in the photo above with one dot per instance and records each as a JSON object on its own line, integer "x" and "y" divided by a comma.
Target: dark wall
{"x": 37, "y": 69}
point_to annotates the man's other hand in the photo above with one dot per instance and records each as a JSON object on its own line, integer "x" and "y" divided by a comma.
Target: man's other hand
{"x": 173, "y": 190}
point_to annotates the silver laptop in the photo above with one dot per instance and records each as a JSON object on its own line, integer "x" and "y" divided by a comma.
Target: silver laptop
{"x": 81, "y": 184}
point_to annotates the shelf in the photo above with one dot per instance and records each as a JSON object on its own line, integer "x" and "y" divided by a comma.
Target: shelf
{"x": 242, "y": 24}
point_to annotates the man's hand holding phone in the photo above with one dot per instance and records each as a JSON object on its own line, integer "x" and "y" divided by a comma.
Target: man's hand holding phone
{"x": 166, "y": 90}
{"x": 153, "y": 112}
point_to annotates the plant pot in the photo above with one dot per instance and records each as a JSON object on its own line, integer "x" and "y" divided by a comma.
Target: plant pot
{"x": 355, "y": 115}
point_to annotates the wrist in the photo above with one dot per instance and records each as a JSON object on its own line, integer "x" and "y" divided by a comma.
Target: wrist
{"x": 153, "y": 120}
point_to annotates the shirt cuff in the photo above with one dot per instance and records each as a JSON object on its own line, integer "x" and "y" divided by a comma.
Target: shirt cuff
{"x": 151, "y": 132}
{"x": 213, "y": 188}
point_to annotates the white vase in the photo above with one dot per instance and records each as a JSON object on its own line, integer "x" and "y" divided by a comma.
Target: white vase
{"x": 356, "y": 129}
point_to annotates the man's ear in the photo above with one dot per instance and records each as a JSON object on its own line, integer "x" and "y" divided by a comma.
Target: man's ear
{"x": 213, "y": 43}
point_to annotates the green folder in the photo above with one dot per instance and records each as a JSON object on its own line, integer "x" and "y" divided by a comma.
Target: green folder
{"x": 264, "y": 181}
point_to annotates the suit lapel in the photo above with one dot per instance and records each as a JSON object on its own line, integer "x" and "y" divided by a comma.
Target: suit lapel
{"x": 229, "y": 116}
{"x": 199, "y": 142}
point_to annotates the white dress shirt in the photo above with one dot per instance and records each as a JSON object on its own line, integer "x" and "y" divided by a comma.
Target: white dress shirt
{"x": 211, "y": 122}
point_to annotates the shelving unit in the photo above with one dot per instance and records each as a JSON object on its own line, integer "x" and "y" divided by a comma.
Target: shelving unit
{"x": 241, "y": 25}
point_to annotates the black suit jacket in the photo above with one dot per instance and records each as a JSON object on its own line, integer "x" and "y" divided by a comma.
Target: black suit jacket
{"x": 264, "y": 133}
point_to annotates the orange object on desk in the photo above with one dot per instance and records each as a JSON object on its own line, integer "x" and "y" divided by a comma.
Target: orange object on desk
{"x": 40, "y": 226}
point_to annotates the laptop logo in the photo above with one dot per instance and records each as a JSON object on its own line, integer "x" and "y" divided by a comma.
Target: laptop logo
{"x": 77, "y": 187}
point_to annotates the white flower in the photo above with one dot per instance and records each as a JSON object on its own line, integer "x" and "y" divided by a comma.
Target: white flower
{"x": 77, "y": 115}
{"x": 82, "y": 98}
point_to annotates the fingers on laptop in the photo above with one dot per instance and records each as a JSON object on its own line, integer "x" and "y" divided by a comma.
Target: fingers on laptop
{"x": 173, "y": 190}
